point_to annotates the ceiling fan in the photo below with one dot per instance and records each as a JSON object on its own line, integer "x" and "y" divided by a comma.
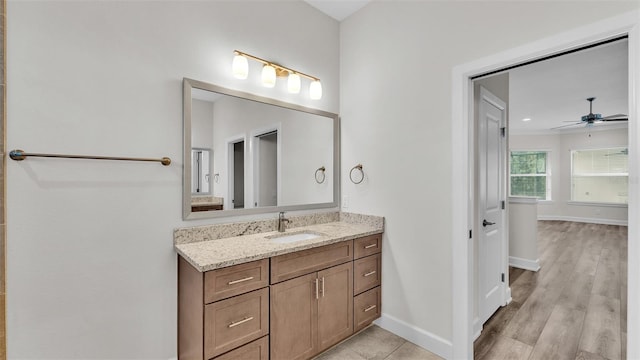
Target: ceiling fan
{"x": 592, "y": 118}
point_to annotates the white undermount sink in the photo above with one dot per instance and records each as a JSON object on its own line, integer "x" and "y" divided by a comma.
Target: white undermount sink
{"x": 293, "y": 237}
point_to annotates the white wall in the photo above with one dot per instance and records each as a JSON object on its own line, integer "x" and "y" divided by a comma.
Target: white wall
{"x": 91, "y": 270}
{"x": 201, "y": 124}
{"x": 396, "y": 109}
{"x": 560, "y": 147}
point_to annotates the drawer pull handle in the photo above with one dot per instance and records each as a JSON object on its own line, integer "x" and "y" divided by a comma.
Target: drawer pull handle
{"x": 371, "y": 246}
{"x": 316, "y": 281}
{"x": 369, "y": 273}
{"x": 370, "y": 308}
{"x": 233, "y": 324}
{"x": 239, "y": 281}
{"x": 323, "y": 286}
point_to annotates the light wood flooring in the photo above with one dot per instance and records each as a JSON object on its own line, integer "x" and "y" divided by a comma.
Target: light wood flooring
{"x": 574, "y": 307}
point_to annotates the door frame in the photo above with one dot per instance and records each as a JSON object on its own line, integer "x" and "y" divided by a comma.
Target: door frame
{"x": 463, "y": 157}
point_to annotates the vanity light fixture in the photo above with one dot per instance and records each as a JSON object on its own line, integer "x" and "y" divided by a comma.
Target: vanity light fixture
{"x": 270, "y": 71}
{"x": 240, "y": 67}
{"x": 293, "y": 83}
{"x": 268, "y": 76}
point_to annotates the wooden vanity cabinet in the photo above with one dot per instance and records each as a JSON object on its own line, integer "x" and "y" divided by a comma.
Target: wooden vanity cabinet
{"x": 223, "y": 311}
{"x": 312, "y": 312}
{"x": 288, "y": 307}
{"x": 367, "y": 280}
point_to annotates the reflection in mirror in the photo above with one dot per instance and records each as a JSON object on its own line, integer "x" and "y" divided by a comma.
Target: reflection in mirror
{"x": 200, "y": 177}
{"x": 263, "y": 154}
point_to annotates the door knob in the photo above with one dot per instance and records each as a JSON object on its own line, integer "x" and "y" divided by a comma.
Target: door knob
{"x": 485, "y": 223}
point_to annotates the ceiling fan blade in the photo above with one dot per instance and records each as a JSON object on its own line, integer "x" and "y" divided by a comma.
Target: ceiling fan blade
{"x": 616, "y": 116}
{"x": 564, "y": 126}
{"x": 608, "y": 120}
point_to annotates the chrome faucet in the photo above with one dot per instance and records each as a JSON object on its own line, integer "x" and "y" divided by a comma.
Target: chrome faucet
{"x": 281, "y": 222}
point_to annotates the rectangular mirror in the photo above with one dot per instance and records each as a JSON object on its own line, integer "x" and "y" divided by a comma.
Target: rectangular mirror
{"x": 247, "y": 154}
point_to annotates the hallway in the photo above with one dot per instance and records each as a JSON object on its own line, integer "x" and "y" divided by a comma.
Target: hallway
{"x": 574, "y": 307}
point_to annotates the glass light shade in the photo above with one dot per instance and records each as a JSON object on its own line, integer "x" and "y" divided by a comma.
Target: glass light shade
{"x": 240, "y": 67}
{"x": 315, "y": 90}
{"x": 269, "y": 76}
{"x": 293, "y": 83}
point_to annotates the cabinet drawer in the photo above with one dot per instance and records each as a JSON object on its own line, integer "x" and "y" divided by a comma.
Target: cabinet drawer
{"x": 366, "y": 308}
{"x": 366, "y": 273}
{"x": 236, "y": 321}
{"x": 367, "y": 245}
{"x": 234, "y": 280}
{"x": 256, "y": 350}
{"x": 304, "y": 262}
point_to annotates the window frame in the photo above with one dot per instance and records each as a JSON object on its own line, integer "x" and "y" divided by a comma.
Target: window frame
{"x": 572, "y": 201}
{"x": 548, "y": 174}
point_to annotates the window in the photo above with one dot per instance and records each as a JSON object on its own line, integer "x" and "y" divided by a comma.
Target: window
{"x": 530, "y": 174}
{"x": 600, "y": 175}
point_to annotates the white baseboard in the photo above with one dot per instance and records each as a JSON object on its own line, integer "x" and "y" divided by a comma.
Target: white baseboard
{"x": 508, "y": 296}
{"x": 533, "y": 265}
{"x": 420, "y": 337}
{"x": 584, "y": 220}
{"x": 477, "y": 328}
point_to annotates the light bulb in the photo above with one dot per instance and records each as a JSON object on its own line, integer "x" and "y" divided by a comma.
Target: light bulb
{"x": 240, "y": 67}
{"x": 315, "y": 90}
{"x": 294, "y": 83}
{"x": 269, "y": 76}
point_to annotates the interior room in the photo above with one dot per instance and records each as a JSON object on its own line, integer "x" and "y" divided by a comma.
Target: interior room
{"x": 568, "y": 196}
{"x": 291, "y": 179}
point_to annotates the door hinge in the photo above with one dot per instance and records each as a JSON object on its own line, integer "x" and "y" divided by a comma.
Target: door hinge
{"x": 503, "y": 131}
{"x": 502, "y": 277}
{"x": 503, "y": 204}
{"x": 470, "y": 235}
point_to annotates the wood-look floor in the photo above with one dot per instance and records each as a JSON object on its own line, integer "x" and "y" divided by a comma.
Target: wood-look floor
{"x": 574, "y": 307}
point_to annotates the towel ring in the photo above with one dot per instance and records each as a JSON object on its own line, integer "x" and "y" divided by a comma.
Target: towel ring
{"x": 320, "y": 170}
{"x": 358, "y": 167}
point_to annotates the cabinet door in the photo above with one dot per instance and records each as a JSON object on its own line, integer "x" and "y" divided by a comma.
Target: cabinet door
{"x": 335, "y": 305}
{"x": 294, "y": 315}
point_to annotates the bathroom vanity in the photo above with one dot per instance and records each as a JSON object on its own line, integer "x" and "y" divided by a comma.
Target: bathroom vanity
{"x": 262, "y": 295}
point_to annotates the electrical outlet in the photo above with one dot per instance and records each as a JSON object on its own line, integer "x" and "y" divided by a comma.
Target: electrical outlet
{"x": 345, "y": 202}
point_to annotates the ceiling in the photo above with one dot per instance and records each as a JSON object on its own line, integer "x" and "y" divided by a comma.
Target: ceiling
{"x": 338, "y": 9}
{"x": 553, "y": 91}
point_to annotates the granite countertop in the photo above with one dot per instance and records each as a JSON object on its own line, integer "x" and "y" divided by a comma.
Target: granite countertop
{"x": 219, "y": 253}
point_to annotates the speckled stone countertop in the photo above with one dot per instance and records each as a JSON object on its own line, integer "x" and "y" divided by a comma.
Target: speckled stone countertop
{"x": 221, "y": 252}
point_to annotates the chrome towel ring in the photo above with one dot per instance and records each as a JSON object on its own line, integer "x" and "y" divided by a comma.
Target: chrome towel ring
{"x": 359, "y": 168}
{"x": 320, "y": 178}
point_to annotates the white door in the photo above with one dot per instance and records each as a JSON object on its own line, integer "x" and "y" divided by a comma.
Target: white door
{"x": 491, "y": 194}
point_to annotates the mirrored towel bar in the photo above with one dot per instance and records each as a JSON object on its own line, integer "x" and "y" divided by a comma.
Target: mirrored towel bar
{"x": 19, "y": 155}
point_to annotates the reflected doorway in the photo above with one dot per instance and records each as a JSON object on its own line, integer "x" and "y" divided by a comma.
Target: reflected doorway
{"x": 266, "y": 169}
{"x": 236, "y": 173}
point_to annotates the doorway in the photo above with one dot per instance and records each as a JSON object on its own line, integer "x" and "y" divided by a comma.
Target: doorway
{"x": 266, "y": 169}
{"x": 463, "y": 160}
{"x": 236, "y": 173}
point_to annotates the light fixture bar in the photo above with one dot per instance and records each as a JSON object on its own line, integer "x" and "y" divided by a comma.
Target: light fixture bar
{"x": 278, "y": 67}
